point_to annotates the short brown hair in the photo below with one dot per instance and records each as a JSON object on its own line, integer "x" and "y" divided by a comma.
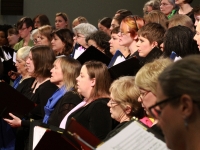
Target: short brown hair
{"x": 43, "y": 58}
{"x": 28, "y": 21}
{"x": 153, "y": 32}
{"x": 99, "y": 71}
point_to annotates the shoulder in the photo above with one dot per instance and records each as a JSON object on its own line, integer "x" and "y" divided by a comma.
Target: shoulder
{"x": 18, "y": 45}
{"x": 100, "y": 103}
{"x": 48, "y": 85}
{"x": 71, "y": 97}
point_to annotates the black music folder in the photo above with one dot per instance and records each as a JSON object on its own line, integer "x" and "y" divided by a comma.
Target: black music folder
{"x": 91, "y": 53}
{"x": 128, "y": 67}
{"x": 11, "y": 101}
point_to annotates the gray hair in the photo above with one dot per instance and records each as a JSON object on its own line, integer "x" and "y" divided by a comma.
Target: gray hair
{"x": 23, "y": 52}
{"x": 35, "y": 31}
{"x": 85, "y": 29}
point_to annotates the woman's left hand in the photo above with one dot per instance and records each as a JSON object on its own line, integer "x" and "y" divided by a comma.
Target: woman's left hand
{"x": 15, "y": 122}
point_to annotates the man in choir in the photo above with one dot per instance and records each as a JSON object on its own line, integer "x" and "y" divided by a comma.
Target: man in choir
{"x": 25, "y": 26}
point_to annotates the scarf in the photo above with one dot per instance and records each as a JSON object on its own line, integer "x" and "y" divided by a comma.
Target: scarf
{"x": 52, "y": 101}
{"x": 16, "y": 82}
{"x": 64, "y": 121}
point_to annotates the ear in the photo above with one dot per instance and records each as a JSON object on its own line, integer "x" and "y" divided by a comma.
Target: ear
{"x": 186, "y": 106}
{"x": 30, "y": 29}
{"x": 135, "y": 37}
{"x": 154, "y": 44}
{"x": 128, "y": 109}
{"x": 93, "y": 82}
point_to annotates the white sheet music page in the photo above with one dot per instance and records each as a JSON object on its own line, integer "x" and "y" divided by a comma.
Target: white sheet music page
{"x": 78, "y": 52}
{"x": 37, "y": 135}
{"x": 133, "y": 137}
{"x": 14, "y": 57}
{"x": 119, "y": 60}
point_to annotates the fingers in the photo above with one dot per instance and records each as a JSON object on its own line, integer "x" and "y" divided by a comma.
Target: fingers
{"x": 13, "y": 116}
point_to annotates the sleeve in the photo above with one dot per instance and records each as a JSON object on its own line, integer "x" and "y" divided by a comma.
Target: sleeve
{"x": 44, "y": 94}
{"x": 100, "y": 122}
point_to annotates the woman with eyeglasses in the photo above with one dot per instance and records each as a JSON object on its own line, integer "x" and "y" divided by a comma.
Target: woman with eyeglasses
{"x": 81, "y": 31}
{"x": 178, "y": 104}
{"x": 128, "y": 36}
{"x": 44, "y": 35}
{"x": 123, "y": 104}
{"x": 168, "y": 7}
{"x": 146, "y": 80}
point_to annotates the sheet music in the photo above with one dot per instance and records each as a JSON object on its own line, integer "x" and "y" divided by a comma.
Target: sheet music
{"x": 37, "y": 135}
{"x": 78, "y": 52}
{"x": 7, "y": 56}
{"x": 133, "y": 137}
{"x": 119, "y": 60}
{"x": 177, "y": 58}
{"x": 14, "y": 57}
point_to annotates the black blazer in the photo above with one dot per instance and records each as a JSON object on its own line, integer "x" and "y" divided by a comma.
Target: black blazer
{"x": 95, "y": 117}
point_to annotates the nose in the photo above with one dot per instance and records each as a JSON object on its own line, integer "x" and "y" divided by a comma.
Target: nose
{"x": 195, "y": 37}
{"x": 138, "y": 44}
{"x": 108, "y": 104}
{"x": 139, "y": 99}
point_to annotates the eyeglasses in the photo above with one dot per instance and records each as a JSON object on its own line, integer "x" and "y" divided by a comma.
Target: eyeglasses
{"x": 22, "y": 29}
{"x": 123, "y": 33}
{"x": 113, "y": 103}
{"x": 78, "y": 36}
{"x": 164, "y": 4}
{"x": 143, "y": 94}
{"x": 155, "y": 110}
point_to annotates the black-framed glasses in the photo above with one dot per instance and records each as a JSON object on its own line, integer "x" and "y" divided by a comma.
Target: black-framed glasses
{"x": 156, "y": 109}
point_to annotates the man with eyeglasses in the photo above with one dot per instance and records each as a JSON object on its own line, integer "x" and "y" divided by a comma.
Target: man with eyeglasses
{"x": 24, "y": 26}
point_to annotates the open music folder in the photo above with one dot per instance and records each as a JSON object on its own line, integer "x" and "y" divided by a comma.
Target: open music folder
{"x": 135, "y": 136}
{"x": 43, "y": 136}
{"x": 12, "y": 101}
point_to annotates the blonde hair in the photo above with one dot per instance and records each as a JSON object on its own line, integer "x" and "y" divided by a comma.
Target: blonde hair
{"x": 23, "y": 52}
{"x": 125, "y": 92}
{"x": 147, "y": 77}
{"x": 180, "y": 19}
{"x": 71, "y": 70}
{"x": 46, "y": 31}
{"x": 65, "y": 17}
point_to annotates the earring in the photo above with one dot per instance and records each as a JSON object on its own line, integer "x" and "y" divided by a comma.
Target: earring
{"x": 186, "y": 123}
